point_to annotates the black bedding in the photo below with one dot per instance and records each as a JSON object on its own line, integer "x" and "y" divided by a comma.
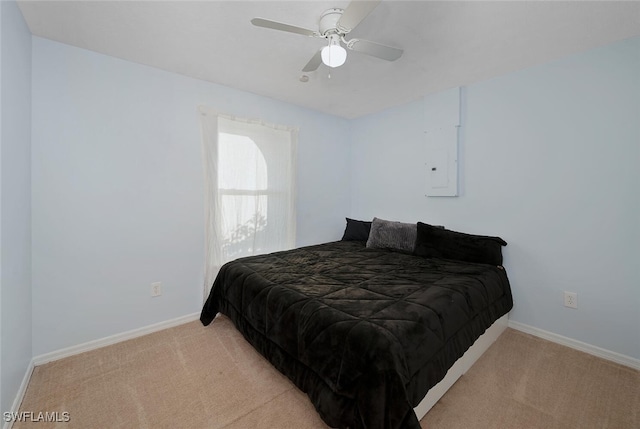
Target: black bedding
{"x": 364, "y": 332}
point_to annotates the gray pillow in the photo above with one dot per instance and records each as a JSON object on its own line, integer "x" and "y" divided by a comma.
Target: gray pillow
{"x": 387, "y": 234}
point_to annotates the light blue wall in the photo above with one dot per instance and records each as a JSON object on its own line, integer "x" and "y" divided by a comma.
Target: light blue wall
{"x": 549, "y": 161}
{"x": 15, "y": 201}
{"x": 2, "y": 405}
{"x": 118, "y": 190}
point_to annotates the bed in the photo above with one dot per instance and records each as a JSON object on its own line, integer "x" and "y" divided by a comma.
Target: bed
{"x": 366, "y": 331}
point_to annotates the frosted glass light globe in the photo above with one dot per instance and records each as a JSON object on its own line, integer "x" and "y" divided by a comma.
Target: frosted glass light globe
{"x": 334, "y": 55}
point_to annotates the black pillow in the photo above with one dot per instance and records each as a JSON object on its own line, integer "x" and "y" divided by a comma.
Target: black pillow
{"x": 434, "y": 242}
{"x": 356, "y": 230}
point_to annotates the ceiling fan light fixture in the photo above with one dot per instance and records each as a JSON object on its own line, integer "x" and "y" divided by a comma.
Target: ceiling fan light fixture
{"x": 334, "y": 55}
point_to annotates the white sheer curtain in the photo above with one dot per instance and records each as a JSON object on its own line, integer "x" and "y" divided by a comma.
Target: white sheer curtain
{"x": 249, "y": 169}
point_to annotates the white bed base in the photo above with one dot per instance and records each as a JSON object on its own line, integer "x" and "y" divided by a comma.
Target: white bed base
{"x": 462, "y": 365}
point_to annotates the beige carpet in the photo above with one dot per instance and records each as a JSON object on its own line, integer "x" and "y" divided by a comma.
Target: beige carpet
{"x": 196, "y": 377}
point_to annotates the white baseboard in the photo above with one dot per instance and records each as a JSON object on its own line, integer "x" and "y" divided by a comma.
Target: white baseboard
{"x": 113, "y": 339}
{"x": 578, "y": 345}
{"x": 20, "y": 395}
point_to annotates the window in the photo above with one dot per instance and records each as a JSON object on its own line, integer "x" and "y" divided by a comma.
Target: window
{"x": 249, "y": 189}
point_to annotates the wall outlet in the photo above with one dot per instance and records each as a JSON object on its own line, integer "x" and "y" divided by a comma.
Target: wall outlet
{"x": 570, "y": 299}
{"x": 156, "y": 289}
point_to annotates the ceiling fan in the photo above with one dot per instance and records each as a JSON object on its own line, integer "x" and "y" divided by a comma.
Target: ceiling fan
{"x": 335, "y": 24}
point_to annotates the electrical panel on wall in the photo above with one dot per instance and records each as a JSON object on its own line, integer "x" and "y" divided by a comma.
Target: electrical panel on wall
{"x": 442, "y": 125}
{"x": 442, "y": 162}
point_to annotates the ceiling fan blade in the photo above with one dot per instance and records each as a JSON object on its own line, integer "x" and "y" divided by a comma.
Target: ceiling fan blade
{"x": 266, "y": 23}
{"x": 314, "y": 62}
{"x": 356, "y": 12}
{"x": 375, "y": 49}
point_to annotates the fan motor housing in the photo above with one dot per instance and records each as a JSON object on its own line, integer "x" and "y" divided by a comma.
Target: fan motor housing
{"x": 329, "y": 21}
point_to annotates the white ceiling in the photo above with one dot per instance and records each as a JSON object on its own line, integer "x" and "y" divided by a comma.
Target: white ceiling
{"x": 446, "y": 44}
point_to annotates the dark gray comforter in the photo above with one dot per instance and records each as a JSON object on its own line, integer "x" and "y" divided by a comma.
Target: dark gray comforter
{"x": 364, "y": 332}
